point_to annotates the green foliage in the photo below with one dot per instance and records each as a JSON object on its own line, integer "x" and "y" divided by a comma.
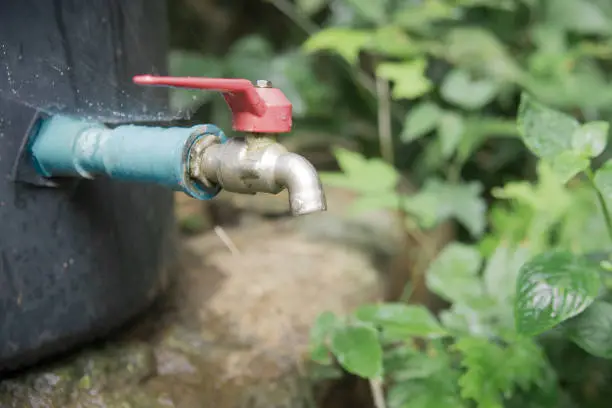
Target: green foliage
{"x": 456, "y": 69}
{"x": 603, "y": 180}
{"x": 482, "y": 93}
{"x": 371, "y": 176}
{"x": 590, "y": 139}
{"x": 580, "y": 16}
{"x": 438, "y": 201}
{"x": 560, "y": 287}
{"x": 401, "y": 320}
{"x": 454, "y": 274}
{"x": 408, "y": 77}
{"x": 489, "y": 350}
{"x": 470, "y": 354}
{"x": 493, "y": 371}
{"x": 358, "y": 350}
{"x": 325, "y": 324}
{"x": 545, "y": 131}
{"x": 344, "y": 41}
{"x": 553, "y": 287}
{"x": 309, "y": 7}
{"x": 559, "y": 139}
{"x": 422, "y": 119}
{"x": 592, "y": 330}
{"x": 460, "y": 89}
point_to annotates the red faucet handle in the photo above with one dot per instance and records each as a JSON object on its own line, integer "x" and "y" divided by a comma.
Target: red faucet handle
{"x": 258, "y": 108}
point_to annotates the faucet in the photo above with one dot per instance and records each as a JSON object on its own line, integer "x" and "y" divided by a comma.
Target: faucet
{"x": 201, "y": 160}
{"x": 255, "y": 162}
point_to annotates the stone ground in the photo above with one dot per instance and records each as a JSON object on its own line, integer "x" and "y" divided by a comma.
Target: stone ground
{"x": 232, "y": 331}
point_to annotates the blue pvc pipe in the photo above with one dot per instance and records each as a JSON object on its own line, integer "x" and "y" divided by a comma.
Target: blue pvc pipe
{"x": 69, "y": 147}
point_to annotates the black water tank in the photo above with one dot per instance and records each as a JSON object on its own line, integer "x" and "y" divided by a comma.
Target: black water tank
{"x": 82, "y": 258}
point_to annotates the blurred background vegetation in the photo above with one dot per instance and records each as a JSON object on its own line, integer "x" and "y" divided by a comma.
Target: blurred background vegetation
{"x": 412, "y": 104}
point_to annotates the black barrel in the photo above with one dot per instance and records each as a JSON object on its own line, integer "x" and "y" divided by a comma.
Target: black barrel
{"x": 80, "y": 258}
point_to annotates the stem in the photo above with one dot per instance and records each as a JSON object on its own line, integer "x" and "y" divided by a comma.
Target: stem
{"x": 385, "y": 134}
{"x": 453, "y": 171}
{"x": 602, "y": 201}
{"x": 377, "y": 393}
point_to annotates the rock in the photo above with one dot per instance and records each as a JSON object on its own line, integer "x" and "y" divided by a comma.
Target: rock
{"x": 232, "y": 332}
{"x": 400, "y": 255}
{"x": 233, "y": 329}
{"x": 377, "y": 232}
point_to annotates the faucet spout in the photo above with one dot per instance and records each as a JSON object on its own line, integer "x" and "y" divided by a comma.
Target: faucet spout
{"x": 300, "y": 178}
{"x": 257, "y": 164}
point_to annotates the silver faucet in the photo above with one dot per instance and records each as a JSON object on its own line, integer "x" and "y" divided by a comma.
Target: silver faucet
{"x": 253, "y": 163}
{"x": 256, "y": 163}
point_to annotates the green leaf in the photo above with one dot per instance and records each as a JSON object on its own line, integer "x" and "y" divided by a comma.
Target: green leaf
{"x": 418, "y": 16}
{"x": 324, "y": 325}
{"x": 421, "y": 120}
{"x": 553, "y": 287}
{"x": 427, "y": 394}
{"x": 374, "y": 11}
{"x": 508, "y": 5}
{"x": 392, "y": 41}
{"x": 549, "y": 40}
{"x": 567, "y": 164}
{"x": 473, "y": 318}
{"x": 361, "y": 174}
{"x": 502, "y": 268}
{"x": 424, "y": 207}
{"x": 581, "y": 87}
{"x": 592, "y": 329}
{"x": 451, "y": 128}
{"x": 493, "y": 371}
{"x": 478, "y": 50}
{"x": 406, "y": 363}
{"x": 409, "y": 78}
{"x": 546, "y": 132}
{"x": 591, "y": 139}
{"x": 548, "y": 195}
{"x": 460, "y": 89}
{"x": 479, "y": 129}
{"x": 358, "y": 350}
{"x": 402, "y": 320}
{"x": 453, "y": 275}
{"x": 346, "y": 42}
{"x": 603, "y": 179}
{"x": 310, "y": 7}
{"x": 438, "y": 201}
{"x": 421, "y": 378}
{"x": 580, "y": 16}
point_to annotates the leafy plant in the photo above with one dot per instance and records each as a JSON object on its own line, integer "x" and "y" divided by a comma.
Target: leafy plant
{"x": 558, "y": 286}
{"x": 429, "y": 91}
{"x": 471, "y": 354}
{"x": 376, "y": 182}
{"x": 555, "y": 287}
{"x": 453, "y": 73}
{"x": 454, "y": 81}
